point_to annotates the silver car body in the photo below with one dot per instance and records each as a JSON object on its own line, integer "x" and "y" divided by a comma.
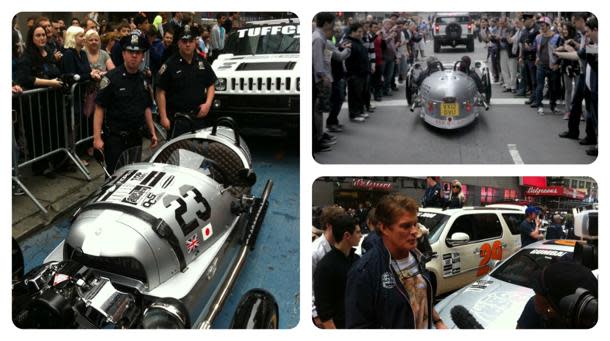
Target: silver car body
{"x": 449, "y": 99}
{"x": 494, "y": 303}
{"x": 122, "y": 222}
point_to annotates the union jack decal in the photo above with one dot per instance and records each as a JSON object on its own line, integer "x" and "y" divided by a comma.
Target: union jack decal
{"x": 192, "y": 243}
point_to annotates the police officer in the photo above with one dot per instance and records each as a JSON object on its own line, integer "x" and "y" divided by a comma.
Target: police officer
{"x": 185, "y": 84}
{"x": 123, "y": 104}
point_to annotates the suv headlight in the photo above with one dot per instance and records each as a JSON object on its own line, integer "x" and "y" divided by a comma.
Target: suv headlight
{"x": 221, "y": 84}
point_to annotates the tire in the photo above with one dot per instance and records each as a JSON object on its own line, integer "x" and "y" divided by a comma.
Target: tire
{"x": 470, "y": 45}
{"x": 437, "y": 46}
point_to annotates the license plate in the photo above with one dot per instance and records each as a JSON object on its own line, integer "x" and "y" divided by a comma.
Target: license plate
{"x": 450, "y": 109}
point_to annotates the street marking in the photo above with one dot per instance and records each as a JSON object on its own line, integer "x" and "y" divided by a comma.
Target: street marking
{"x": 514, "y": 153}
{"x": 494, "y": 101}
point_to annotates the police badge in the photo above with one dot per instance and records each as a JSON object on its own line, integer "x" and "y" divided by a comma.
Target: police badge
{"x": 201, "y": 66}
{"x": 134, "y": 39}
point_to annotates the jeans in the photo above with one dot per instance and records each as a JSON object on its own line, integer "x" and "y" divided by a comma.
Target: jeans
{"x": 569, "y": 91}
{"x": 337, "y": 97}
{"x": 542, "y": 72}
{"x": 388, "y": 75}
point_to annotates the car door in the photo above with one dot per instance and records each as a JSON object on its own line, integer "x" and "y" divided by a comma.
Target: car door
{"x": 472, "y": 259}
{"x": 513, "y": 236}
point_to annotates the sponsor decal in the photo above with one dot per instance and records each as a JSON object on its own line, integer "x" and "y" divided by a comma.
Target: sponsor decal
{"x": 168, "y": 181}
{"x": 139, "y": 176}
{"x": 550, "y": 253}
{"x": 452, "y": 264}
{"x": 136, "y": 193}
{"x": 479, "y": 285}
{"x": 192, "y": 243}
{"x": 207, "y": 231}
{"x": 387, "y": 280}
{"x": 269, "y": 30}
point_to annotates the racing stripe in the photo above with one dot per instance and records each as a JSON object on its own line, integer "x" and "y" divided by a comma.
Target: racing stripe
{"x": 148, "y": 178}
{"x": 157, "y": 179}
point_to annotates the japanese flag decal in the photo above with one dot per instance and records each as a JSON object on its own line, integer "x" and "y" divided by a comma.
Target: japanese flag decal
{"x": 207, "y": 231}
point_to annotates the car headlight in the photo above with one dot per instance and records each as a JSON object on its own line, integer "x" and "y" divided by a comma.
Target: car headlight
{"x": 221, "y": 84}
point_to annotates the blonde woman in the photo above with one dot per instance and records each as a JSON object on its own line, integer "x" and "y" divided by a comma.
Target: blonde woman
{"x": 74, "y": 60}
{"x": 456, "y": 198}
{"x": 98, "y": 59}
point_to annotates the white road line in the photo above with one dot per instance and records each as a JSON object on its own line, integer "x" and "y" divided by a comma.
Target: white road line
{"x": 514, "y": 153}
{"x": 494, "y": 101}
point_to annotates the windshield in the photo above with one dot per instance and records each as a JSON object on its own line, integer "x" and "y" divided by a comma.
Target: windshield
{"x": 434, "y": 222}
{"x": 520, "y": 268}
{"x": 449, "y": 20}
{"x": 264, "y": 40}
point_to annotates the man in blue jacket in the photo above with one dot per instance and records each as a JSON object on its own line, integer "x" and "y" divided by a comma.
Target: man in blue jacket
{"x": 389, "y": 287}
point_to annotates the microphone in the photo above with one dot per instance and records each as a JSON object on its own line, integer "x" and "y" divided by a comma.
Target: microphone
{"x": 464, "y": 319}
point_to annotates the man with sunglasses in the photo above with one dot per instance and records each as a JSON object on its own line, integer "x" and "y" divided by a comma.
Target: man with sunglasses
{"x": 185, "y": 84}
{"x": 389, "y": 287}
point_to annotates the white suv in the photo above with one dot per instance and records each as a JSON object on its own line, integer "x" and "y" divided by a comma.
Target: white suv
{"x": 453, "y": 29}
{"x": 469, "y": 242}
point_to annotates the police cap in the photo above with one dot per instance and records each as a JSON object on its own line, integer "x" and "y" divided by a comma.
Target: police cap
{"x": 134, "y": 41}
{"x": 188, "y": 32}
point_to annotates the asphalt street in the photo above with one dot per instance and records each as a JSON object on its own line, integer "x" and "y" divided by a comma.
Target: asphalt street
{"x": 274, "y": 263}
{"x": 510, "y": 132}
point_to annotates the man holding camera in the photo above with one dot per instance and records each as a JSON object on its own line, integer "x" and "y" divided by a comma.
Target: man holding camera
{"x": 530, "y": 227}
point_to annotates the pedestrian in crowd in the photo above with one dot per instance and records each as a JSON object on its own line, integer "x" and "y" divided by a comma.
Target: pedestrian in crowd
{"x": 456, "y": 198}
{"x": 330, "y": 277}
{"x": 358, "y": 69}
{"x": 389, "y": 287}
{"x": 528, "y": 54}
{"x": 185, "y": 85}
{"x": 217, "y": 40}
{"x": 508, "y": 60}
{"x": 368, "y": 39}
{"x": 388, "y": 34}
{"x": 372, "y": 236}
{"x": 551, "y": 284}
{"x": 570, "y": 69}
{"x": 123, "y": 105}
{"x": 175, "y": 23}
{"x": 576, "y": 110}
{"x": 75, "y": 22}
{"x": 517, "y": 49}
{"x": 338, "y": 88}
{"x": 379, "y": 46}
{"x": 530, "y": 227}
{"x": 403, "y": 49}
{"x": 322, "y": 245}
{"x": 489, "y": 35}
{"x": 555, "y": 230}
{"x": 547, "y": 65}
{"x": 323, "y": 51}
{"x": 433, "y": 196}
{"x": 116, "y": 52}
{"x": 90, "y": 24}
{"x": 231, "y": 22}
{"x": 74, "y": 60}
{"x": 155, "y": 53}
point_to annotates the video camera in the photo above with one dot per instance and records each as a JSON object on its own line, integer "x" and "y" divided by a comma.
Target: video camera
{"x": 586, "y": 228}
{"x": 579, "y": 309}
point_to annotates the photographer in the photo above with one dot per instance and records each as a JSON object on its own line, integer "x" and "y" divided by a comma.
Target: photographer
{"x": 552, "y": 284}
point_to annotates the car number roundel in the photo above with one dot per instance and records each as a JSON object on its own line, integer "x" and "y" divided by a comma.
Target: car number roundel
{"x": 489, "y": 252}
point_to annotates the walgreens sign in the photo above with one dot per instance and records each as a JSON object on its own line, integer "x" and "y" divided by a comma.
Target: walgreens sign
{"x": 555, "y": 191}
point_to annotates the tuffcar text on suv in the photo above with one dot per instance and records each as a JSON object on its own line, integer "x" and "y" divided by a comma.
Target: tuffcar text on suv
{"x": 453, "y": 29}
{"x": 258, "y": 75}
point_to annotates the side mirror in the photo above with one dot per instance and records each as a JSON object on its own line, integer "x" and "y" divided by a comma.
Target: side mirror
{"x": 246, "y": 177}
{"x": 458, "y": 238}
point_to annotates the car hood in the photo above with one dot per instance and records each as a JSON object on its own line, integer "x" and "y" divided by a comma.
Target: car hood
{"x": 264, "y": 62}
{"x": 495, "y": 304}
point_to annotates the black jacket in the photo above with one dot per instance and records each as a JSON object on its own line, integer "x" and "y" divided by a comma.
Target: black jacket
{"x": 374, "y": 296}
{"x": 433, "y": 197}
{"x": 357, "y": 64}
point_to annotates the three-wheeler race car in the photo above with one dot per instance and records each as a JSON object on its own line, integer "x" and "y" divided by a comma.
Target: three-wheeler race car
{"x": 447, "y": 97}
{"x": 159, "y": 245}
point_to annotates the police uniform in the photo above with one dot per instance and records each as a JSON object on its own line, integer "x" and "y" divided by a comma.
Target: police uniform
{"x": 185, "y": 84}
{"x": 124, "y": 97}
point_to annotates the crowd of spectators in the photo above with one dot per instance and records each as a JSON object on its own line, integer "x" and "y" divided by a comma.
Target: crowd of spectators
{"x": 366, "y": 58}
{"x": 47, "y": 49}
{"x": 547, "y": 57}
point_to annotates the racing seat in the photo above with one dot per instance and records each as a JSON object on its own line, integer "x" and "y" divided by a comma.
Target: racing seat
{"x": 222, "y": 162}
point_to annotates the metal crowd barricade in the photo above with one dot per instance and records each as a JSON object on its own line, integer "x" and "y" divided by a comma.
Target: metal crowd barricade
{"x": 46, "y": 127}
{"x": 82, "y": 122}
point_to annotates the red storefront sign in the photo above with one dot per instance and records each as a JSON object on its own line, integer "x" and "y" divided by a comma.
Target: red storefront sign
{"x": 555, "y": 191}
{"x": 371, "y": 185}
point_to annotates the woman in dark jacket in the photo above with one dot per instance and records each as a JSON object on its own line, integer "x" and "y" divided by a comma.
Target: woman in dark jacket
{"x": 456, "y": 199}
{"x": 75, "y": 59}
{"x": 38, "y": 117}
